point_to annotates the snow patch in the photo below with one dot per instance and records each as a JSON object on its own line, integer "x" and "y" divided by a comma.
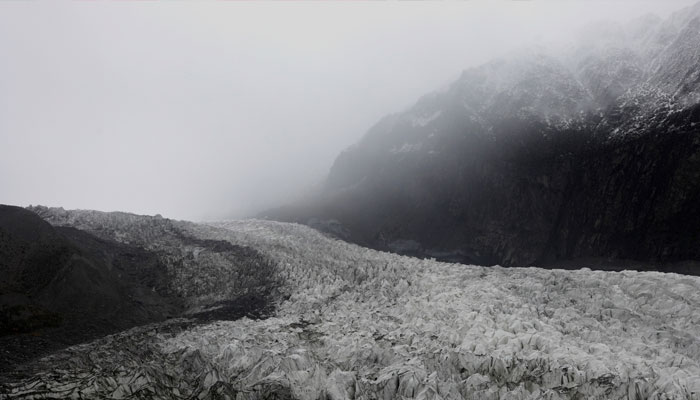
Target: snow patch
{"x": 423, "y": 121}
{"x": 406, "y": 148}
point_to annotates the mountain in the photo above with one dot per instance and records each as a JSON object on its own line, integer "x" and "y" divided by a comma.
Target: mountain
{"x": 587, "y": 155}
{"x": 355, "y": 323}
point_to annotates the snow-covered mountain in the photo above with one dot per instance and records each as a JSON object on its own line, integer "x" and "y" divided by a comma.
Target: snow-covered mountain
{"x": 592, "y": 152}
{"x": 351, "y": 322}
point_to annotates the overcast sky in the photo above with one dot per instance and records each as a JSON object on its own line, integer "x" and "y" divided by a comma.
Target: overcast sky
{"x": 203, "y": 110}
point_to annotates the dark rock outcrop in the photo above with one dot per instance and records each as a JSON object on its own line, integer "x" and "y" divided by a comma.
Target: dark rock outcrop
{"x": 60, "y": 286}
{"x": 91, "y": 274}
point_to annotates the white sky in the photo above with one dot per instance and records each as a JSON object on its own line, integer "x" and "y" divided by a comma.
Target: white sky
{"x": 212, "y": 109}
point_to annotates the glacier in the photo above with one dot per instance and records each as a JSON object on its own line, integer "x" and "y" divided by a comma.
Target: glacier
{"x": 351, "y": 322}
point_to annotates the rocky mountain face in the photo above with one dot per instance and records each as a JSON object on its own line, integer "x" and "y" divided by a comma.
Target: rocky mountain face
{"x": 592, "y": 154}
{"x": 86, "y": 274}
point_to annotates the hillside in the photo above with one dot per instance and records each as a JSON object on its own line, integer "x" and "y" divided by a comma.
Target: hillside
{"x": 357, "y": 323}
{"x": 537, "y": 159}
{"x": 65, "y": 284}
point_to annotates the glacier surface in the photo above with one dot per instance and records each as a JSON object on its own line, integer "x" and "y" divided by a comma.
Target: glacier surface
{"x": 358, "y": 323}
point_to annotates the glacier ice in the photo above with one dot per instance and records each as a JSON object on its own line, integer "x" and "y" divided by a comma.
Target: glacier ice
{"x": 358, "y": 323}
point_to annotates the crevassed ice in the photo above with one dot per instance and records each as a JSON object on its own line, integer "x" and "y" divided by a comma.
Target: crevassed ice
{"x": 365, "y": 324}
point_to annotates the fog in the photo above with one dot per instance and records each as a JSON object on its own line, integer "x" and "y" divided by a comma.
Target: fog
{"x": 206, "y": 110}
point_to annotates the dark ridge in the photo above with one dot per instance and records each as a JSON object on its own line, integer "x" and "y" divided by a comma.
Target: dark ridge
{"x": 61, "y": 286}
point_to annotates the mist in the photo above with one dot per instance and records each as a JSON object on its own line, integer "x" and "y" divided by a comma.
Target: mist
{"x": 210, "y": 110}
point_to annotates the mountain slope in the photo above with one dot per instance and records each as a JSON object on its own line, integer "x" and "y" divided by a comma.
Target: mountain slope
{"x": 60, "y": 286}
{"x": 102, "y": 273}
{"x": 536, "y": 159}
{"x": 202, "y": 272}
